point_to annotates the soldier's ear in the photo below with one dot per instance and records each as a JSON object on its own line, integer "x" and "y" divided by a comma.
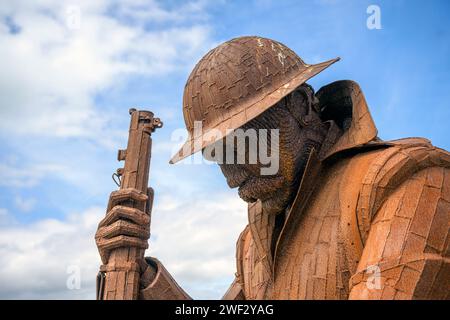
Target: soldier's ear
{"x": 296, "y": 103}
{"x": 303, "y": 105}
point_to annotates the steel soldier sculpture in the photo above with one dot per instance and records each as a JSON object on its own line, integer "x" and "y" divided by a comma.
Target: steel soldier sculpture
{"x": 347, "y": 215}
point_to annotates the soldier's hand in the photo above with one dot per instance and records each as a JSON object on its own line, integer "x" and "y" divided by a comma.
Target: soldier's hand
{"x": 124, "y": 226}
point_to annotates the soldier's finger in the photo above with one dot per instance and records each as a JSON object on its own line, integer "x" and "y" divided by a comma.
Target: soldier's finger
{"x": 125, "y": 228}
{"x": 122, "y": 212}
{"x": 122, "y": 241}
{"x": 125, "y": 194}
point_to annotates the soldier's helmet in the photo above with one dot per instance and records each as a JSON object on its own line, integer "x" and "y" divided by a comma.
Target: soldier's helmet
{"x": 234, "y": 83}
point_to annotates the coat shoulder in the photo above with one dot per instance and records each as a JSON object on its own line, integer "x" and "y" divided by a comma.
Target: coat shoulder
{"x": 392, "y": 166}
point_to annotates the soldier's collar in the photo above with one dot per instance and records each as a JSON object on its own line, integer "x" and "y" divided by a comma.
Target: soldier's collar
{"x": 341, "y": 101}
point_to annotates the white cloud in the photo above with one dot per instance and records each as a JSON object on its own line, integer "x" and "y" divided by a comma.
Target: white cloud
{"x": 34, "y": 259}
{"x": 51, "y": 72}
{"x": 195, "y": 241}
{"x": 141, "y": 11}
{"x": 14, "y": 175}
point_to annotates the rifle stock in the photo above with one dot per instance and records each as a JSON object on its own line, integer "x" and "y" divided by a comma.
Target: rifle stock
{"x": 120, "y": 280}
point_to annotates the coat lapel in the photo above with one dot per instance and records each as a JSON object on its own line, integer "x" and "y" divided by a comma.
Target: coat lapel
{"x": 361, "y": 132}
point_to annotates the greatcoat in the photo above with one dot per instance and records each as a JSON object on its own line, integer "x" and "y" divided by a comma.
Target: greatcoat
{"x": 370, "y": 220}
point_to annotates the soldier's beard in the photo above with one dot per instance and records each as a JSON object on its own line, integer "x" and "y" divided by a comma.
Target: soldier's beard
{"x": 262, "y": 188}
{"x": 275, "y": 192}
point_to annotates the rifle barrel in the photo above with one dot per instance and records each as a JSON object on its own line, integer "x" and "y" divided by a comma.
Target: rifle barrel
{"x": 121, "y": 281}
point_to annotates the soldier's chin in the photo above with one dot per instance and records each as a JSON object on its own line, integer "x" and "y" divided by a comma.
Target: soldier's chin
{"x": 274, "y": 203}
{"x": 257, "y": 188}
{"x": 251, "y": 197}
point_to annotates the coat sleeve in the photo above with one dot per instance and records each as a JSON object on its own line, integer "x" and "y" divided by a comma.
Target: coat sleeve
{"x": 163, "y": 286}
{"x": 235, "y": 292}
{"x": 406, "y": 254}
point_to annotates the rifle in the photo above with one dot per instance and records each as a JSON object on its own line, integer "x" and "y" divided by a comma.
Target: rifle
{"x": 119, "y": 279}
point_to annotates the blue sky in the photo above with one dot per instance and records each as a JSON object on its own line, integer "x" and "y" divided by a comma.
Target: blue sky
{"x": 65, "y": 92}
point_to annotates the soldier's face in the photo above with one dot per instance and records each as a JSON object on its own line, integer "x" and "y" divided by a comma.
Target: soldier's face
{"x": 277, "y": 189}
